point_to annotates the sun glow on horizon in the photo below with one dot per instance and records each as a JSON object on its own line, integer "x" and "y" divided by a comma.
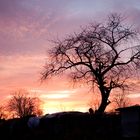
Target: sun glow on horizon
{"x": 53, "y": 107}
{"x": 54, "y": 94}
{"x": 61, "y": 100}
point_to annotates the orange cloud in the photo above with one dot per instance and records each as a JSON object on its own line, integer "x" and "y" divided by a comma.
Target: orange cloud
{"x": 26, "y": 27}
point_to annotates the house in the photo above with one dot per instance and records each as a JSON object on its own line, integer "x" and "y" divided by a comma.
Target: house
{"x": 130, "y": 121}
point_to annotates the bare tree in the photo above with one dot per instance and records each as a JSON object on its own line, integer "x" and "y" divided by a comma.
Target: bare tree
{"x": 22, "y": 104}
{"x": 97, "y": 55}
{"x": 2, "y": 112}
{"x": 121, "y": 100}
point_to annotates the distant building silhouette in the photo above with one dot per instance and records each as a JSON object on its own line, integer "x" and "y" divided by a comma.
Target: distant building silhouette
{"x": 130, "y": 121}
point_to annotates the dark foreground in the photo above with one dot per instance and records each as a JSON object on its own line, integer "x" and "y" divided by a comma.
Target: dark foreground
{"x": 64, "y": 126}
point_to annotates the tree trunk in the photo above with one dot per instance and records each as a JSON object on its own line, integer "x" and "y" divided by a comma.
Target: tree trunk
{"x": 102, "y": 106}
{"x": 104, "y": 102}
{"x": 105, "y": 91}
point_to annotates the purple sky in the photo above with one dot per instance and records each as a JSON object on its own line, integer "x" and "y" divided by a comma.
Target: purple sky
{"x": 27, "y": 26}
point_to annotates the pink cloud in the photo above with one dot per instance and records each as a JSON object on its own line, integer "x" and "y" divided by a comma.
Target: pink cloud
{"x": 25, "y": 28}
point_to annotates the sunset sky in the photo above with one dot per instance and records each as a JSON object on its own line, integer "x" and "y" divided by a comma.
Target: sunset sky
{"x": 26, "y": 30}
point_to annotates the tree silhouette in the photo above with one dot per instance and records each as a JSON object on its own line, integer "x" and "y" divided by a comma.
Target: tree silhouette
{"x": 21, "y": 104}
{"x": 100, "y": 55}
{"x": 2, "y": 112}
{"x": 121, "y": 100}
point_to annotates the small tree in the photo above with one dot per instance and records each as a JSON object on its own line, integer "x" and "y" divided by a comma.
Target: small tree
{"x": 121, "y": 100}
{"x": 22, "y": 104}
{"x": 97, "y": 56}
{"x": 2, "y": 112}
